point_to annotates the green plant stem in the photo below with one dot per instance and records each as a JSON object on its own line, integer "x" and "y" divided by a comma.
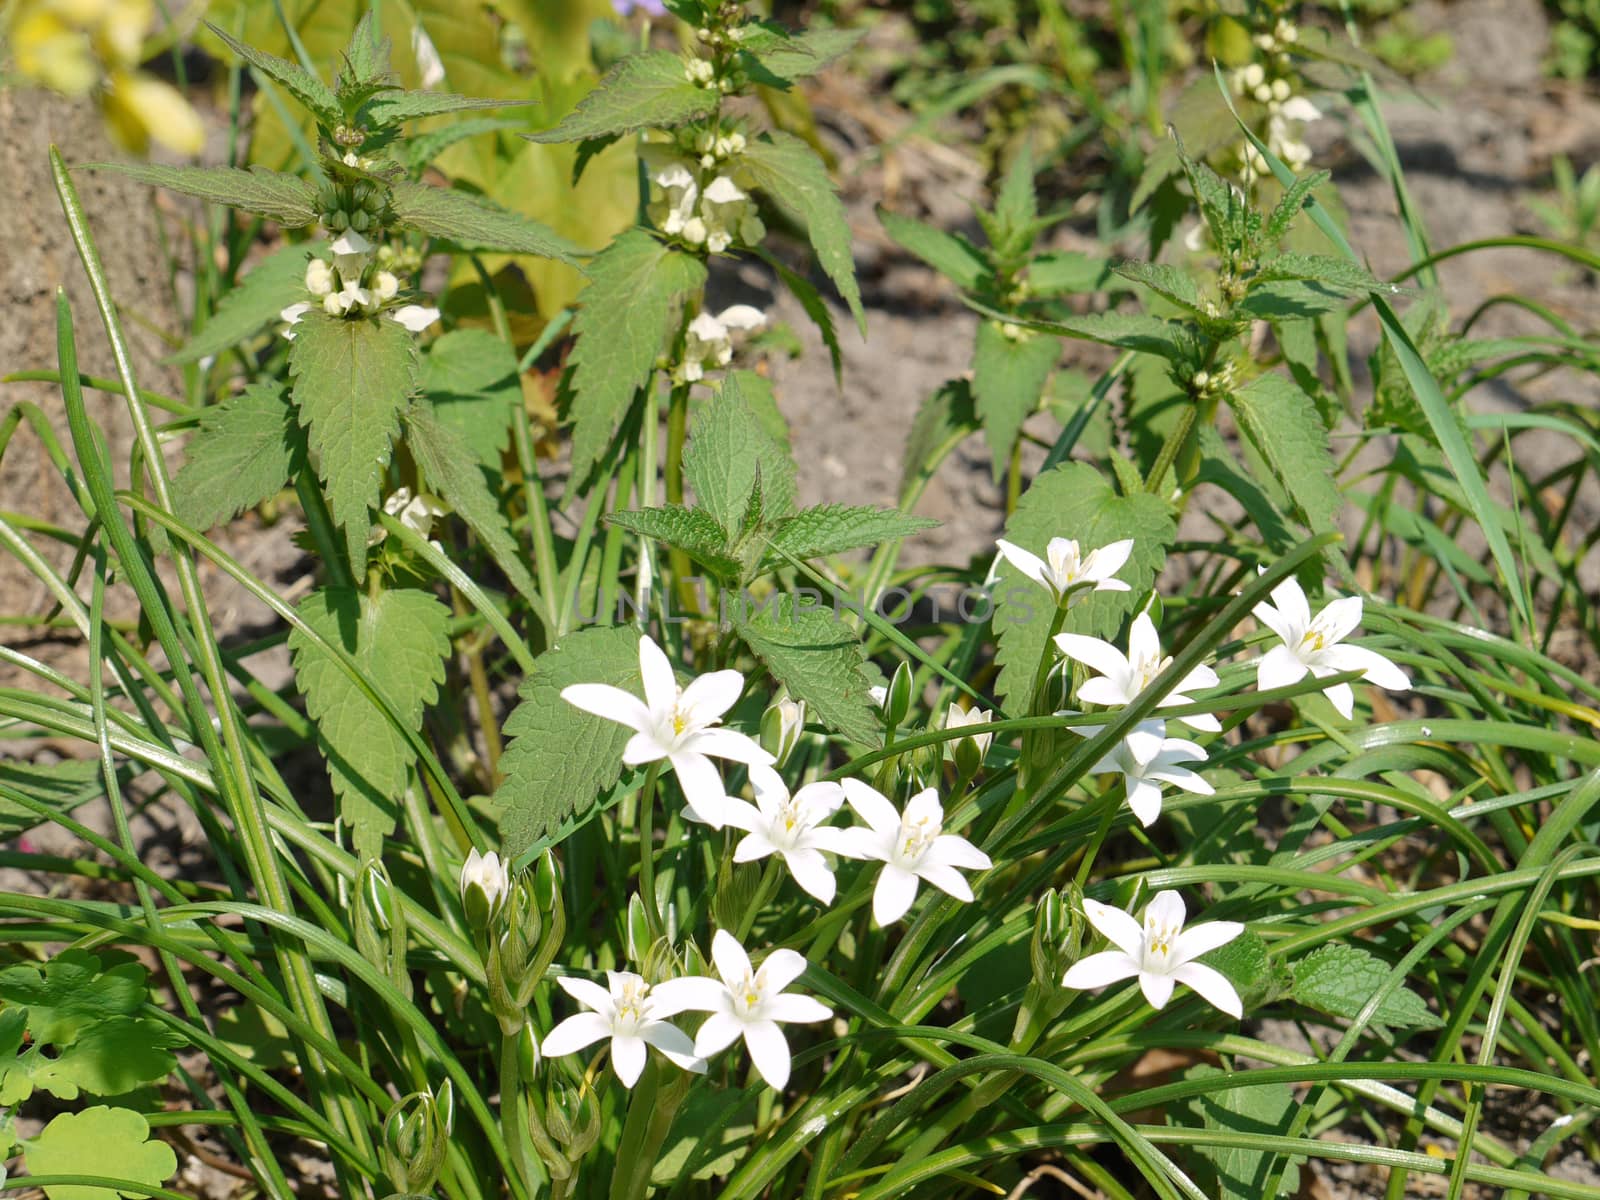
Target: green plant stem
{"x": 650, "y": 1115}
{"x": 647, "y": 850}
{"x": 677, "y": 435}
{"x": 512, "y": 1118}
{"x": 1170, "y": 447}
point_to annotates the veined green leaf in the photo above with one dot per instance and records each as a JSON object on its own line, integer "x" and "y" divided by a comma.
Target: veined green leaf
{"x": 472, "y": 223}
{"x": 950, "y": 254}
{"x": 399, "y": 640}
{"x": 1008, "y": 380}
{"x": 834, "y": 528}
{"x": 1067, "y": 272}
{"x": 471, "y": 379}
{"x": 797, "y": 55}
{"x": 648, "y": 89}
{"x": 1165, "y": 280}
{"x": 796, "y": 181}
{"x": 1339, "y": 980}
{"x": 282, "y": 198}
{"x": 392, "y": 108}
{"x": 561, "y": 758}
{"x": 692, "y": 530}
{"x": 729, "y": 450}
{"x": 112, "y": 1143}
{"x": 300, "y": 83}
{"x": 634, "y": 284}
{"x": 247, "y": 448}
{"x": 1268, "y": 1108}
{"x": 817, "y": 657}
{"x": 1283, "y": 425}
{"x": 351, "y": 379}
{"x": 276, "y": 282}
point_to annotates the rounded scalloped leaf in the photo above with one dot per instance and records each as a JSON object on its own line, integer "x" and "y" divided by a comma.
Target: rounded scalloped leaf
{"x": 110, "y": 1142}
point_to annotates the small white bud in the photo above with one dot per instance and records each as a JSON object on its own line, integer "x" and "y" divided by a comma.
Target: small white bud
{"x": 385, "y": 286}
{"x": 319, "y": 277}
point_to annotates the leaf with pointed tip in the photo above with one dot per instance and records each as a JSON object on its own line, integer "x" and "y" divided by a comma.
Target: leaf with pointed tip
{"x": 425, "y": 147}
{"x": 399, "y": 639}
{"x": 471, "y": 379}
{"x": 1241, "y": 1172}
{"x": 1339, "y": 980}
{"x": 1074, "y": 501}
{"x": 817, "y": 657}
{"x": 1164, "y": 280}
{"x": 796, "y": 181}
{"x": 1008, "y": 380}
{"x": 300, "y": 83}
{"x": 471, "y": 223}
{"x": 621, "y": 329}
{"x": 651, "y": 89}
{"x": 950, "y": 254}
{"x": 282, "y": 198}
{"x": 1283, "y": 425}
{"x": 834, "y": 528}
{"x": 692, "y": 530}
{"x": 561, "y": 758}
{"x": 946, "y": 419}
{"x": 273, "y": 284}
{"x": 810, "y": 300}
{"x": 1171, "y": 340}
{"x": 1288, "y": 208}
{"x": 453, "y": 470}
{"x": 794, "y": 56}
{"x": 1067, "y": 272}
{"x": 351, "y": 379}
{"x": 729, "y": 449}
{"x": 393, "y": 108}
{"x": 247, "y": 448}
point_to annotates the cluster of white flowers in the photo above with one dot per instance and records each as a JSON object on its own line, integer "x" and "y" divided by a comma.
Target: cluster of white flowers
{"x": 1287, "y": 113}
{"x": 349, "y": 286}
{"x": 680, "y": 725}
{"x": 714, "y": 212}
{"x": 708, "y": 342}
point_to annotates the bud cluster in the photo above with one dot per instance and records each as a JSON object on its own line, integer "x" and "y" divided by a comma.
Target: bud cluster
{"x": 416, "y": 1138}
{"x": 521, "y": 920}
{"x": 1272, "y": 85}
{"x": 360, "y": 206}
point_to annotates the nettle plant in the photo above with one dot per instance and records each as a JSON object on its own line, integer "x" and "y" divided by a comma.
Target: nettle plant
{"x": 755, "y": 890}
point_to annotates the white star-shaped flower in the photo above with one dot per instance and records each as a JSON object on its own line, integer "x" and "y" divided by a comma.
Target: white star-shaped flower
{"x": 1124, "y": 676}
{"x": 955, "y": 717}
{"x": 1142, "y": 776}
{"x": 1316, "y": 645}
{"x": 912, "y": 846}
{"x": 626, "y": 1014}
{"x": 1062, "y": 570}
{"x": 747, "y": 1003}
{"x": 677, "y": 724}
{"x": 1160, "y": 953}
{"x": 791, "y": 827}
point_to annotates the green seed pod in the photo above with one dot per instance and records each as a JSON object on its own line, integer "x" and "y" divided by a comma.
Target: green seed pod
{"x": 897, "y": 703}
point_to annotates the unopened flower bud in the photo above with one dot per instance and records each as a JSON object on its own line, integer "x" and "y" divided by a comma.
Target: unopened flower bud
{"x": 968, "y": 752}
{"x": 897, "y": 702}
{"x": 319, "y": 277}
{"x": 484, "y": 887}
{"x": 385, "y": 285}
{"x": 527, "y": 1051}
{"x": 573, "y": 1115}
{"x": 416, "y": 1138}
{"x": 781, "y": 727}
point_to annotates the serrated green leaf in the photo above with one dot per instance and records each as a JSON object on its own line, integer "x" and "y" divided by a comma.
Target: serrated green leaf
{"x": 811, "y": 302}
{"x": 470, "y": 377}
{"x": 649, "y": 89}
{"x": 1262, "y": 1108}
{"x": 1164, "y": 280}
{"x": 1288, "y": 208}
{"x": 276, "y": 282}
{"x": 392, "y": 108}
{"x": 421, "y": 150}
{"x": 1068, "y": 272}
{"x": 1170, "y": 340}
{"x": 247, "y": 448}
{"x": 282, "y": 198}
{"x": 1219, "y": 468}
{"x": 1016, "y": 208}
{"x": 817, "y": 657}
{"x": 472, "y": 223}
{"x": 1338, "y": 273}
{"x": 692, "y": 530}
{"x": 560, "y": 758}
{"x": 946, "y": 418}
{"x": 1072, "y": 500}
{"x": 834, "y": 528}
{"x": 71, "y": 993}
{"x": 1008, "y": 379}
{"x": 1255, "y": 974}
{"x": 399, "y": 640}
{"x": 1339, "y": 980}
{"x": 1283, "y": 425}
{"x": 452, "y": 468}
{"x": 300, "y": 83}
{"x": 1293, "y": 300}
{"x": 728, "y": 449}
{"x": 634, "y": 285}
{"x": 366, "y": 58}
{"x": 798, "y": 55}
{"x": 950, "y": 254}
{"x": 113, "y": 1143}
{"x": 796, "y": 181}
{"x": 351, "y": 380}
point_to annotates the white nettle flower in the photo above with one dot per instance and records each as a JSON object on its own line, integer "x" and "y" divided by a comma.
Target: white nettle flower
{"x": 626, "y": 1014}
{"x": 319, "y": 278}
{"x": 415, "y": 317}
{"x": 674, "y": 192}
{"x": 1124, "y": 676}
{"x": 416, "y": 512}
{"x": 879, "y": 693}
{"x": 912, "y": 846}
{"x": 746, "y": 1002}
{"x": 956, "y": 717}
{"x": 709, "y": 341}
{"x": 1160, "y": 954}
{"x": 1063, "y": 570}
{"x": 385, "y": 286}
{"x": 729, "y": 215}
{"x": 791, "y": 827}
{"x": 291, "y": 317}
{"x": 677, "y": 724}
{"x": 351, "y": 254}
{"x": 430, "y": 67}
{"x": 1143, "y": 773}
{"x": 1316, "y": 645}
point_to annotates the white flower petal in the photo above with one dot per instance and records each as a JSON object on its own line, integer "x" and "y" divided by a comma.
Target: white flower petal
{"x": 871, "y": 806}
{"x": 1116, "y": 926}
{"x": 643, "y": 748}
{"x": 1290, "y": 599}
{"x": 660, "y": 684}
{"x": 810, "y": 871}
{"x": 1377, "y": 669}
{"x": 1212, "y": 986}
{"x": 780, "y": 968}
{"x": 1029, "y": 564}
{"x": 896, "y": 890}
{"x": 1166, "y": 909}
{"x": 1099, "y": 970}
{"x": 612, "y": 703}
{"x": 415, "y": 317}
{"x": 742, "y": 316}
{"x": 576, "y": 1032}
{"x": 1279, "y": 667}
{"x": 677, "y": 1045}
{"x": 588, "y": 992}
{"x": 752, "y": 845}
{"x": 720, "y": 1031}
{"x": 711, "y": 695}
{"x": 1157, "y": 989}
{"x": 1204, "y": 938}
{"x": 733, "y": 964}
{"x": 1340, "y": 618}
{"x": 796, "y": 1009}
{"x": 948, "y": 880}
{"x": 730, "y": 744}
{"x": 1144, "y": 798}
{"x": 1093, "y": 653}
{"x": 627, "y": 1058}
{"x": 949, "y": 850}
{"x": 769, "y": 1050}
{"x": 1343, "y": 699}
{"x": 1103, "y": 689}
{"x": 701, "y": 785}
{"x": 690, "y": 993}
{"x": 743, "y": 815}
